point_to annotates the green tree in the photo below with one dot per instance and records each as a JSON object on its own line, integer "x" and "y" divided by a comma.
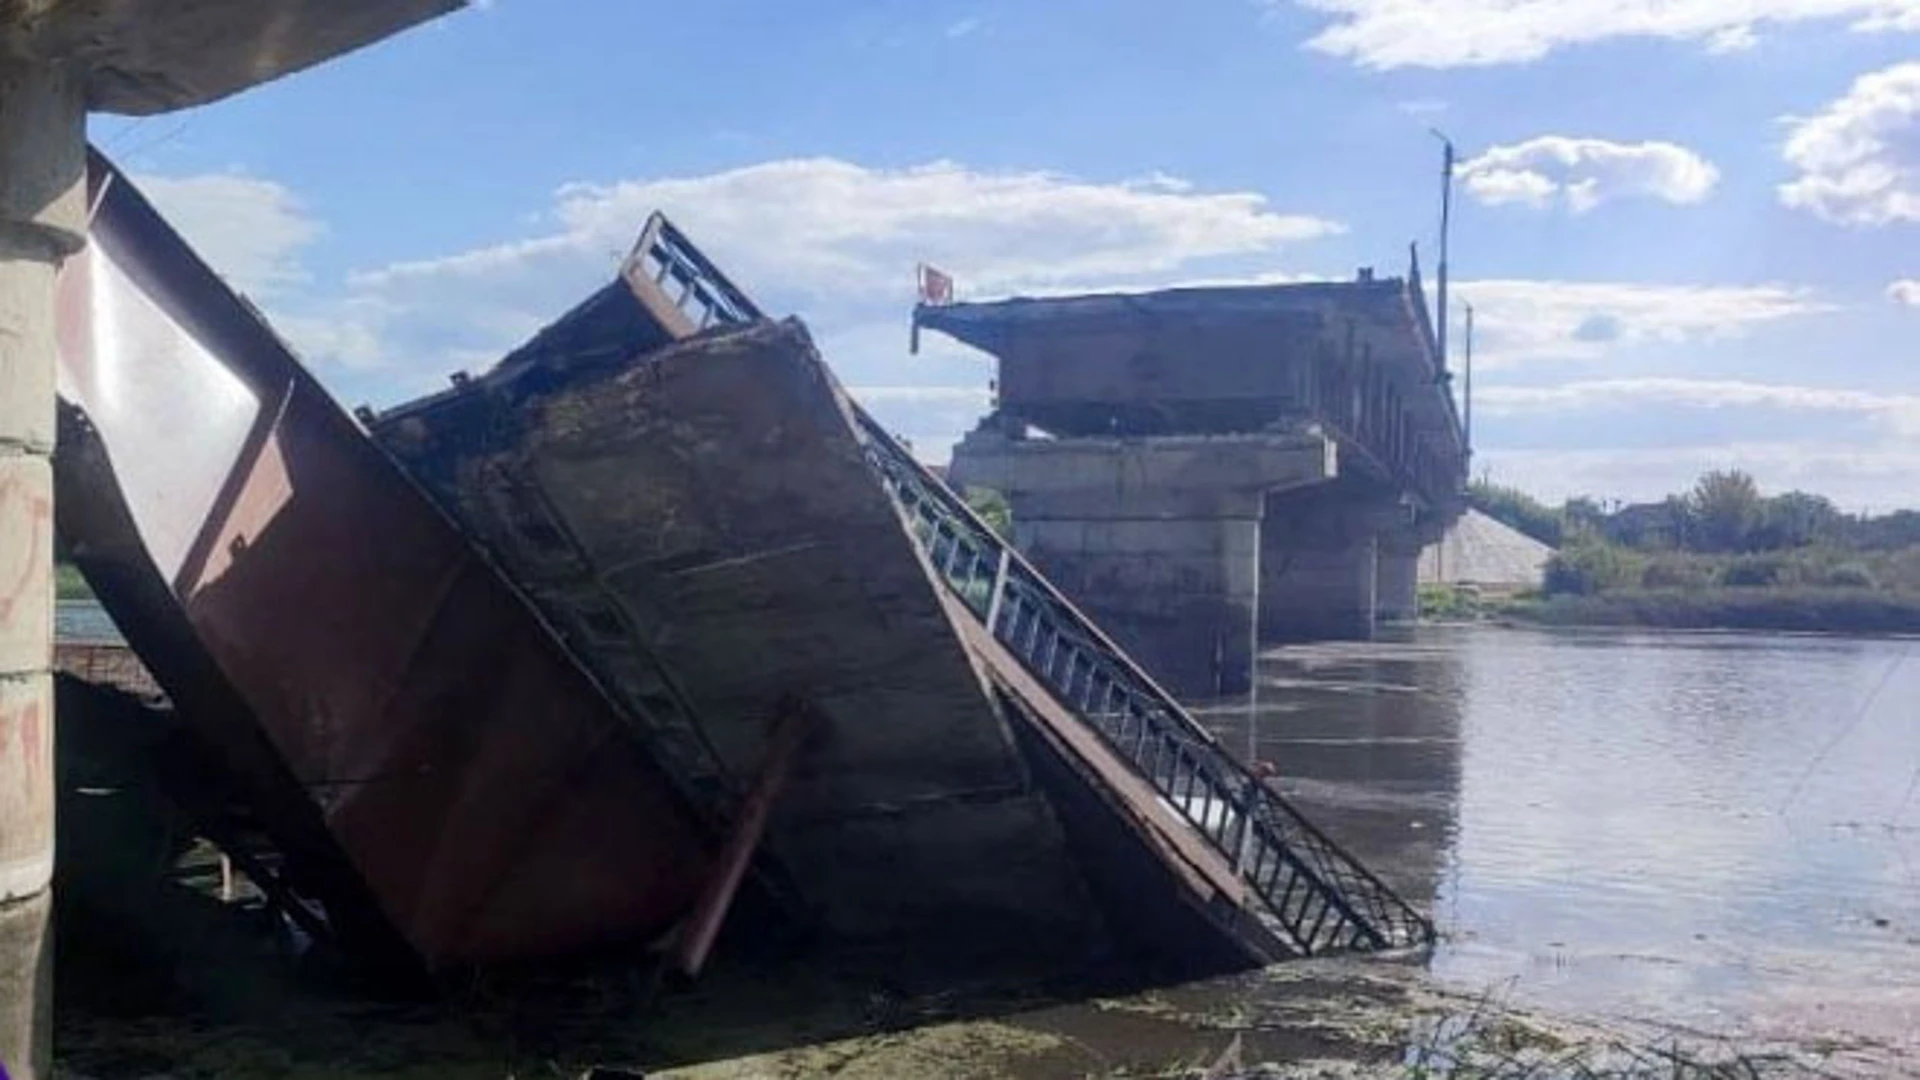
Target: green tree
{"x": 1723, "y": 509}
{"x": 1582, "y": 514}
{"x": 993, "y": 509}
{"x": 1588, "y": 566}
{"x": 1517, "y": 510}
{"x": 1796, "y": 519}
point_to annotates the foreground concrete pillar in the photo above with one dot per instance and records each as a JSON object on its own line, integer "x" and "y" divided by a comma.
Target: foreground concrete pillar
{"x": 1157, "y": 538}
{"x": 42, "y": 220}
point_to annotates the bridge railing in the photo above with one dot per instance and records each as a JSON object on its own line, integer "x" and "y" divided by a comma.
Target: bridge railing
{"x": 1359, "y": 404}
{"x": 1316, "y": 894}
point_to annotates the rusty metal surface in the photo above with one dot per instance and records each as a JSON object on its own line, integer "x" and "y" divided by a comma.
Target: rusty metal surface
{"x": 415, "y": 729}
{"x": 795, "y": 720}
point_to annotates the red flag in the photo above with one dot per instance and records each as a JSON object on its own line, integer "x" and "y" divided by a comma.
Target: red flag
{"x": 936, "y": 288}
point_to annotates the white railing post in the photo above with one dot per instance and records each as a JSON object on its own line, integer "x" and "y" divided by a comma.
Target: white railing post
{"x": 999, "y": 589}
{"x": 1242, "y": 856}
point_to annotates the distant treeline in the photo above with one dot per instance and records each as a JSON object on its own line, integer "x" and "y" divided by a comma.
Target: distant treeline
{"x": 1722, "y": 554}
{"x": 1723, "y": 513}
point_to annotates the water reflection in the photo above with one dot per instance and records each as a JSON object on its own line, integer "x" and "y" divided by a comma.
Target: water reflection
{"x": 1366, "y": 739}
{"x": 1722, "y": 831}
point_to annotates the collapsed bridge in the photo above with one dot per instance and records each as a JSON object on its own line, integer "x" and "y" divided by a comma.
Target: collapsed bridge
{"x": 647, "y": 619}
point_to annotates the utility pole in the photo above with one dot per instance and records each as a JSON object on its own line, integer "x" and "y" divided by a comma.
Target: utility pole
{"x": 1446, "y": 213}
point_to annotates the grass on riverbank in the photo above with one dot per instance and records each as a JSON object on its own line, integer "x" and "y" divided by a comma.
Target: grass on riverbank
{"x": 1809, "y": 609}
{"x": 1813, "y": 589}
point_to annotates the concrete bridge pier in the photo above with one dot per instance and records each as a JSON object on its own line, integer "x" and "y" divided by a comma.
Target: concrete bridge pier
{"x": 42, "y": 220}
{"x": 1396, "y": 582}
{"x": 1158, "y": 538}
{"x": 1321, "y": 562}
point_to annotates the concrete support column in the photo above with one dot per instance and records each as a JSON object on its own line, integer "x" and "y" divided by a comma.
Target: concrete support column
{"x": 1157, "y": 538}
{"x": 1180, "y": 595}
{"x": 1316, "y": 588}
{"x": 1396, "y": 590}
{"x": 1321, "y": 563}
{"x": 42, "y": 220}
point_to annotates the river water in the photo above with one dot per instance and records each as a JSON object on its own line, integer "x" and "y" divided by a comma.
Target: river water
{"x": 1715, "y": 831}
{"x": 1707, "y": 834}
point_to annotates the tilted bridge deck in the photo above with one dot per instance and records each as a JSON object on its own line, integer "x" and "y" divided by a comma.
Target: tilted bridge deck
{"x": 1316, "y": 895}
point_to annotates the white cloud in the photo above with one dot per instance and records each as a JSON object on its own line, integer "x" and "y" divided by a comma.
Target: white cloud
{"x": 833, "y": 240}
{"x": 1733, "y": 39}
{"x": 1863, "y": 456}
{"x": 821, "y": 225}
{"x": 1905, "y": 291}
{"x": 1521, "y": 321}
{"x": 251, "y": 231}
{"x": 960, "y": 28}
{"x": 1457, "y": 33}
{"x": 1872, "y": 478}
{"x": 1899, "y": 413}
{"x": 1859, "y": 157}
{"x": 1586, "y": 172}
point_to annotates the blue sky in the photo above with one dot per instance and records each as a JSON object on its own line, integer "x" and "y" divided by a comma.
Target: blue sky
{"x": 1690, "y": 228}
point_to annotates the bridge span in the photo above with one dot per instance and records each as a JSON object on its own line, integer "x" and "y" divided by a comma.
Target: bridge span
{"x": 1206, "y": 469}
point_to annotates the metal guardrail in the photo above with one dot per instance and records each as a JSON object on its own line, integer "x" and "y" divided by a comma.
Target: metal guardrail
{"x": 685, "y": 291}
{"x": 1319, "y": 896}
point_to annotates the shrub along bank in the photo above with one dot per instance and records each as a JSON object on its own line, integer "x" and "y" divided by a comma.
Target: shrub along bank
{"x": 1720, "y": 555}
